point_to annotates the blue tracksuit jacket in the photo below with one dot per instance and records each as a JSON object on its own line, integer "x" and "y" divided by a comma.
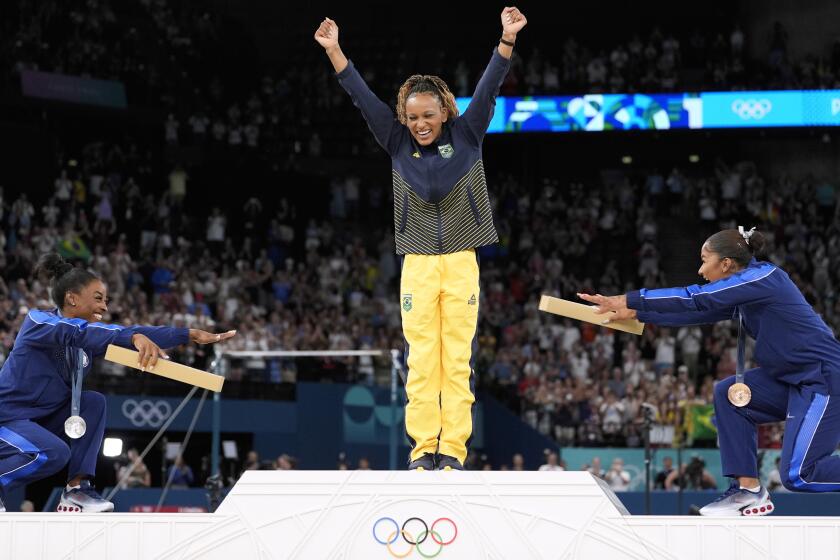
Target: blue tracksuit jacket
{"x": 36, "y": 378}
{"x": 793, "y": 344}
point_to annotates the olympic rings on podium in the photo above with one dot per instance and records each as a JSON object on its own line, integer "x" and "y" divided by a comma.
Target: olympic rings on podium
{"x": 412, "y": 542}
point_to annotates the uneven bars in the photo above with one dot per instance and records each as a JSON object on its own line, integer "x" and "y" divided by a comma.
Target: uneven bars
{"x": 300, "y": 353}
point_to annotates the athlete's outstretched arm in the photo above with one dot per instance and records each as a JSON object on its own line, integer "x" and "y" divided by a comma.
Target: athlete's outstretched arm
{"x": 681, "y": 319}
{"x": 379, "y": 117}
{"x": 752, "y": 285}
{"x": 483, "y": 102}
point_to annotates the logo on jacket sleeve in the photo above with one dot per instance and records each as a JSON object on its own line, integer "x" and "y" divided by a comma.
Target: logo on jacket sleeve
{"x": 446, "y": 150}
{"x": 406, "y": 302}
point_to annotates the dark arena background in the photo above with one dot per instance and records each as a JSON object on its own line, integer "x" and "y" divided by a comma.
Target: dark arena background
{"x": 203, "y": 160}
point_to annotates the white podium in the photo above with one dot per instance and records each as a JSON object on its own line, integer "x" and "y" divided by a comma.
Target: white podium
{"x": 343, "y": 515}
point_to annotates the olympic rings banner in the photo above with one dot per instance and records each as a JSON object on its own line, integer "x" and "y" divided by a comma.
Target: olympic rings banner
{"x": 705, "y": 110}
{"x": 135, "y": 412}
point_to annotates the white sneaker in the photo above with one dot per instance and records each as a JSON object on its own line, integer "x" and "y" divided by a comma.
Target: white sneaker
{"x": 739, "y": 501}
{"x": 84, "y": 499}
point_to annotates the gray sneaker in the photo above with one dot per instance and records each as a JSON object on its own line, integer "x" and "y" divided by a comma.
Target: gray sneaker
{"x": 84, "y": 499}
{"x": 738, "y": 501}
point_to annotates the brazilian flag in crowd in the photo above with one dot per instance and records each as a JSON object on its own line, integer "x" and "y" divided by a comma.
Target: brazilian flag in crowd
{"x": 72, "y": 248}
{"x": 698, "y": 422}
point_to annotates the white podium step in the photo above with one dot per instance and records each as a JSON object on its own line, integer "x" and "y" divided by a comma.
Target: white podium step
{"x": 343, "y": 515}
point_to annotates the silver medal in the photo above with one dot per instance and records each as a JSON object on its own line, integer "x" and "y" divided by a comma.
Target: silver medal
{"x": 75, "y": 427}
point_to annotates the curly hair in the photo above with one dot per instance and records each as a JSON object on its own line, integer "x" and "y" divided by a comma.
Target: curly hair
{"x": 420, "y": 83}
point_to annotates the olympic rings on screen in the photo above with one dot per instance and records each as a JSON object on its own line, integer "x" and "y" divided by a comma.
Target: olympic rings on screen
{"x": 752, "y": 108}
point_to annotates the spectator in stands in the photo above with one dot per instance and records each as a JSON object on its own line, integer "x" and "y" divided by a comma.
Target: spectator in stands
{"x": 618, "y": 478}
{"x": 551, "y": 463}
{"x": 140, "y": 477}
{"x": 252, "y": 462}
{"x": 691, "y": 476}
{"x": 662, "y": 476}
{"x": 595, "y": 468}
{"x": 285, "y": 462}
{"x": 179, "y": 474}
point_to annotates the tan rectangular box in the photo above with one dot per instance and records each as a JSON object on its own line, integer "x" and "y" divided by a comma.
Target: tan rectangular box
{"x": 165, "y": 368}
{"x": 581, "y": 312}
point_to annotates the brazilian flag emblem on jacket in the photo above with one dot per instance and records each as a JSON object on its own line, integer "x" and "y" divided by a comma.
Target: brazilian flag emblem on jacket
{"x": 406, "y": 302}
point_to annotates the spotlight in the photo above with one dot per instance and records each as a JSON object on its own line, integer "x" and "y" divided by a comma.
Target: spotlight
{"x": 693, "y": 158}
{"x": 626, "y": 160}
{"x": 112, "y": 447}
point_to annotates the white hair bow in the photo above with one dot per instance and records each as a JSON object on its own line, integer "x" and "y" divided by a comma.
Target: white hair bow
{"x": 746, "y": 234}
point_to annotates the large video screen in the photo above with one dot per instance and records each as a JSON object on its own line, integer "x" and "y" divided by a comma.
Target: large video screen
{"x": 615, "y": 111}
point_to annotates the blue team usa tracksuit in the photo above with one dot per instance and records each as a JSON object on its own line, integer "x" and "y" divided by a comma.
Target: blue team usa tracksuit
{"x": 35, "y": 394}
{"x": 797, "y": 381}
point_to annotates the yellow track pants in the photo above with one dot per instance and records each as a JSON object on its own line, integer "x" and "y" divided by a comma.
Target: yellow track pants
{"x": 439, "y": 307}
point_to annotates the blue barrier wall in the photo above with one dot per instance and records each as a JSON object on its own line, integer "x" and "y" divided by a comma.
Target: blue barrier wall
{"x": 787, "y": 503}
{"x": 327, "y": 419}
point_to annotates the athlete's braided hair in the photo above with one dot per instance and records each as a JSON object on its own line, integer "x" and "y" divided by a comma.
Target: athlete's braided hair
{"x": 420, "y": 83}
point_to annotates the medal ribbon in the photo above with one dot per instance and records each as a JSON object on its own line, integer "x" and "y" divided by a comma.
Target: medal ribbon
{"x": 742, "y": 340}
{"x": 76, "y": 379}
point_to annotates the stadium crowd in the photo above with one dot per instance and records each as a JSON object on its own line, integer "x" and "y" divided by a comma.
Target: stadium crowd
{"x": 330, "y": 285}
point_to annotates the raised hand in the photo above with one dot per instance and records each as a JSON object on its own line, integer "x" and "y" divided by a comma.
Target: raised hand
{"x": 327, "y": 34}
{"x": 512, "y": 21}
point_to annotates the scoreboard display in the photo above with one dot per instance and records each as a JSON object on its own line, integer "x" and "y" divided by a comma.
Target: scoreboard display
{"x": 706, "y": 110}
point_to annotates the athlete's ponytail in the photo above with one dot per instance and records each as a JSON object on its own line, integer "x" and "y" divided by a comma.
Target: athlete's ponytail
{"x": 737, "y": 244}
{"x": 63, "y": 276}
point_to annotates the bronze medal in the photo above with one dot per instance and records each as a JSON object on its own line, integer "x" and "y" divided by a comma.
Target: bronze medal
{"x": 739, "y": 394}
